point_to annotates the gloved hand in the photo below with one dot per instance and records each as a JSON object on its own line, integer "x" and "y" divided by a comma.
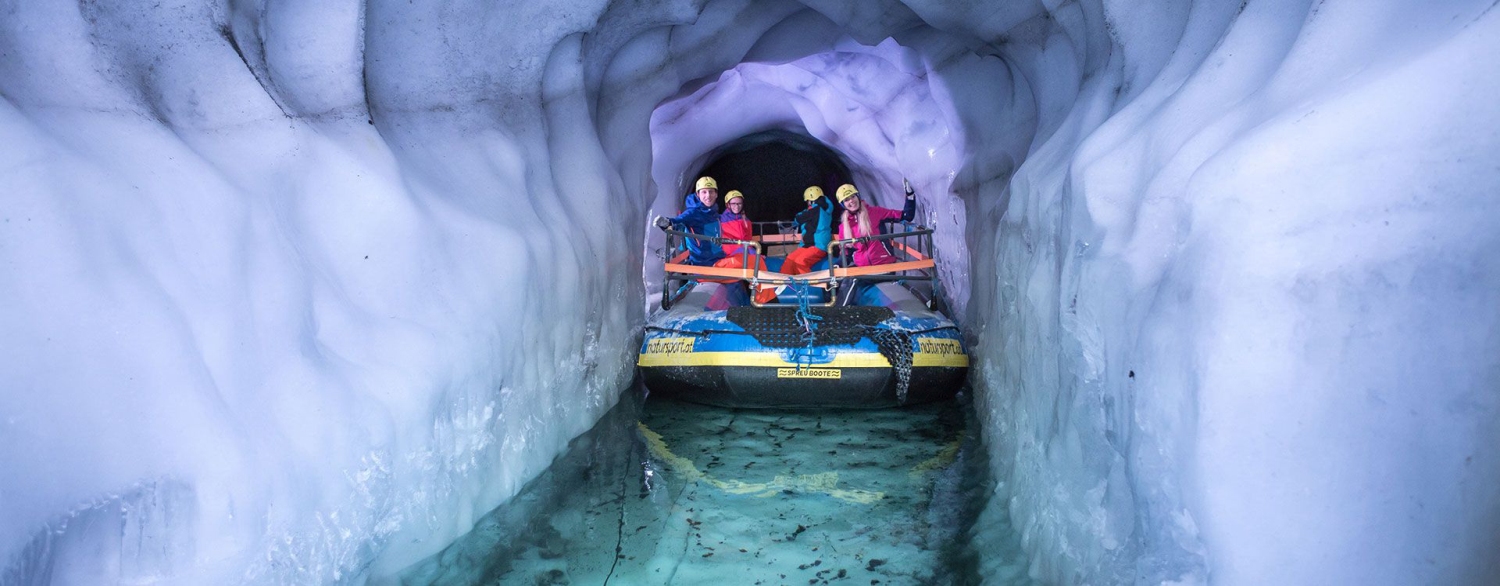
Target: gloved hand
{"x": 909, "y": 191}
{"x": 663, "y": 223}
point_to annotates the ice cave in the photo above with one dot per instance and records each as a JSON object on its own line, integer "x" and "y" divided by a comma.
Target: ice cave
{"x": 300, "y": 292}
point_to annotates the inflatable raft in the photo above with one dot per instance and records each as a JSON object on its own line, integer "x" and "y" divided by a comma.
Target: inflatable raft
{"x": 882, "y": 346}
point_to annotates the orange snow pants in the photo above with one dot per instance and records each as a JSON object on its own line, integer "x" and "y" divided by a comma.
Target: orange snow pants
{"x": 763, "y": 293}
{"x": 802, "y": 260}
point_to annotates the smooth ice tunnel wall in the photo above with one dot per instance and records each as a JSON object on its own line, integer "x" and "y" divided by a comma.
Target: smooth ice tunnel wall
{"x": 293, "y": 292}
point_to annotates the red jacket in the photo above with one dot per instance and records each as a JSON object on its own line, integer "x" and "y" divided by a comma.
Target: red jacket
{"x": 736, "y": 226}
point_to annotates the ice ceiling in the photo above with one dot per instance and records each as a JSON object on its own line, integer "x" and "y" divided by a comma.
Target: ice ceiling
{"x": 294, "y": 291}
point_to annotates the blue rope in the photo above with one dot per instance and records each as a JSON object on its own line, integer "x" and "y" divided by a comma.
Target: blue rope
{"x": 806, "y": 318}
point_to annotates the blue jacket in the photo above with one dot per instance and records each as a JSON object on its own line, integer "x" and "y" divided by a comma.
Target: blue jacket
{"x": 699, "y": 219}
{"x": 816, "y": 223}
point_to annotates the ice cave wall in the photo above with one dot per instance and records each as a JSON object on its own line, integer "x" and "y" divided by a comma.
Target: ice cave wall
{"x": 289, "y": 297}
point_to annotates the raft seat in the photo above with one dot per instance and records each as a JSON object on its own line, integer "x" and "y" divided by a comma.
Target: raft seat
{"x": 789, "y": 294}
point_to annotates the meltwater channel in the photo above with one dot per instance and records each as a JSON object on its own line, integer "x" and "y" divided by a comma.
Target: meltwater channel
{"x": 664, "y": 492}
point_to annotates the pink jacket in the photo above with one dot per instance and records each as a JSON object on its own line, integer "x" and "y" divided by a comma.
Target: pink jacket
{"x": 869, "y": 253}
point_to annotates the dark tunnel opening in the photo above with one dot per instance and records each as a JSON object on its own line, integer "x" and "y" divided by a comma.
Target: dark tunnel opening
{"x": 772, "y": 168}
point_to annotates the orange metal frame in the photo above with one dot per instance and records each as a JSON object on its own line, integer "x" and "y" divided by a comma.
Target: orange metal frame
{"x": 895, "y": 267}
{"x": 909, "y": 251}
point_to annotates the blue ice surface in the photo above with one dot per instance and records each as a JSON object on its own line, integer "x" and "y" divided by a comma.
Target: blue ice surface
{"x": 672, "y": 493}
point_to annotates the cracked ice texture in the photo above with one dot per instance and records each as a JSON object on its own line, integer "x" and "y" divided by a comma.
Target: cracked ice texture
{"x": 294, "y": 292}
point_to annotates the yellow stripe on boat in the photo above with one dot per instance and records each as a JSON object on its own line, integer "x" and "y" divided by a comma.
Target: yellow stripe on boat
{"x": 925, "y": 359}
{"x": 945, "y": 358}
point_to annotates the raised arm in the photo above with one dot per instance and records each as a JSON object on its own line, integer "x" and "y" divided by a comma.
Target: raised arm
{"x": 909, "y": 211}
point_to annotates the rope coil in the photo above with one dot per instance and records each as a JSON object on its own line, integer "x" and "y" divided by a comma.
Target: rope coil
{"x": 807, "y": 320}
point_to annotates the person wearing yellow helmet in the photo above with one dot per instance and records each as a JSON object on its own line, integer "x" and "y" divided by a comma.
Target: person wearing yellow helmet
{"x": 815, "y": 224}
{"x": 732, "y": 223}
{"x": 699, "y": 216}
{"x": 707, "y": 190}
{"x": 862, "y": 220}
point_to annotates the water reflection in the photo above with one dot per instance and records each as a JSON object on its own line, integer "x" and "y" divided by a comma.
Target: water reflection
{"x": 674, "y": 493}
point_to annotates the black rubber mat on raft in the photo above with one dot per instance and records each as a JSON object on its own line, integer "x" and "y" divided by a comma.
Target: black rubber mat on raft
{"x": 777, "y": 327}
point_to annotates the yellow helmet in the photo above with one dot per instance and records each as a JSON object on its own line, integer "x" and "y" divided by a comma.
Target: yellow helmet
{"x": 846, "y": 191}
{"x": 706, "y": 182}
{"x": 733, "y": 194}
{"x": 812, "y": 193}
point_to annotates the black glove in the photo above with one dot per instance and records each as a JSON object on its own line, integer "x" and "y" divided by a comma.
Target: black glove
{"x": 663, "y": 223}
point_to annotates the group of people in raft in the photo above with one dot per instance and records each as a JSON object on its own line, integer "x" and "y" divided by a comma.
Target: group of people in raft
{"x": 859, "y": 221}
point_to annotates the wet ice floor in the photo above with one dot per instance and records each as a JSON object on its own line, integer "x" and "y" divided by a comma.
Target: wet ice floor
{"x": 675, "y": 493}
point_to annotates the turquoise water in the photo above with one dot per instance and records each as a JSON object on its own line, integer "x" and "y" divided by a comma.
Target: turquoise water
{"x": 673, "y": 493}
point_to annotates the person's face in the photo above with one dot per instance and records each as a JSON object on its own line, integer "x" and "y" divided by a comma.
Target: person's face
{"x": 708, "y": 196}
{"x": 735, "y": 205}
{"x": 852, "y": 204}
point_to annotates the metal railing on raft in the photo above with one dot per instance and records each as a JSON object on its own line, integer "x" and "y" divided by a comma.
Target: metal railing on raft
{"x": 675, "y": 251}
{"x": 914, "y": 242}
{"x": 910, "y": 240}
